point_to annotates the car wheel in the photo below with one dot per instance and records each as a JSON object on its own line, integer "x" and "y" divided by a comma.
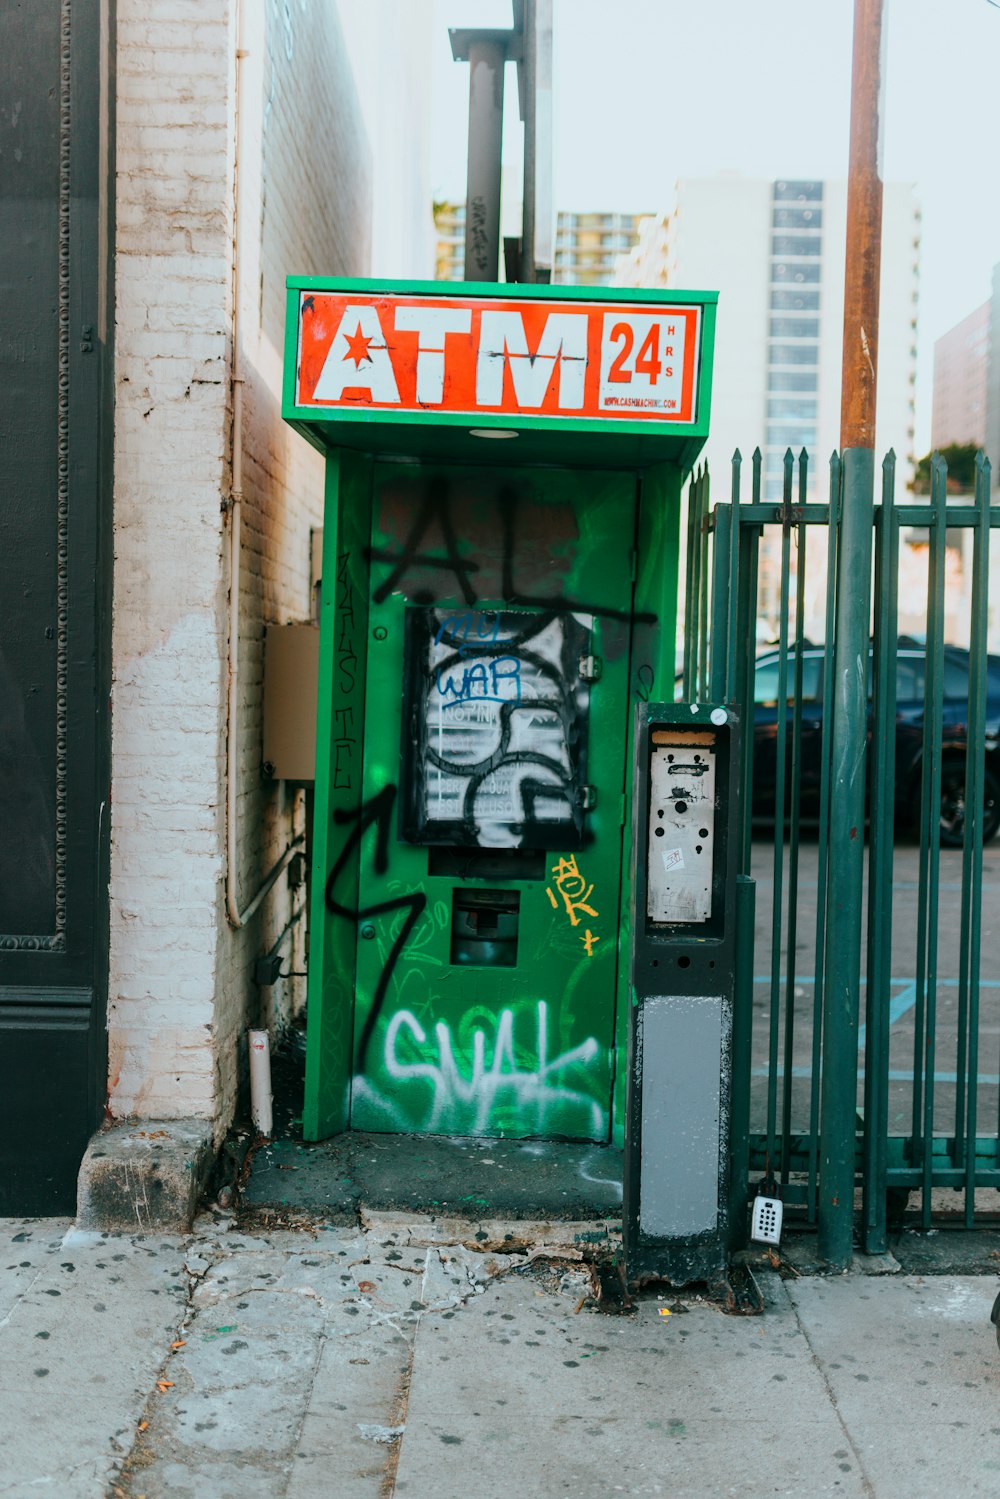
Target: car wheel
{"x": 953, "y": 804}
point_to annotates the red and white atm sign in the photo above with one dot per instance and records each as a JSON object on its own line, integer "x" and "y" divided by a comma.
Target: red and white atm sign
{"x": 478, "y": 356}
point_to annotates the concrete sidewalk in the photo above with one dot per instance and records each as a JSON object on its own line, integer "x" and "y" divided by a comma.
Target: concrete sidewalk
{"x": 436, "y": 1360}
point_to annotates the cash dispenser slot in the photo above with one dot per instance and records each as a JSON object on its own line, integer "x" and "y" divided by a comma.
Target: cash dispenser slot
{"x": 484, "y": 927}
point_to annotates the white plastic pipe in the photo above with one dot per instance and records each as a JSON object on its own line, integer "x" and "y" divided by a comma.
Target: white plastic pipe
{"x": 260, "y": 1083}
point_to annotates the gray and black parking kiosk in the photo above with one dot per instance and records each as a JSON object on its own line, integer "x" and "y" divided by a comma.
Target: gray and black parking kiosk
{"x": 676, "y": 1196}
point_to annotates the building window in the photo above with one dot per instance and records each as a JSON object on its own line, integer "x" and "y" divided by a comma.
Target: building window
{"x": 796, "y": 435}
{"x": 797, "y": 218}
{"x": 806, "y": 245}
{"x": 805, "y": 272}
{"x": 798, "y": 300}
{"x": 798, "y": 192}
{"x": 792, "y": 379}
{"x": 794, "y": 354}
{"x": 791, "y": 408}
{"x": 795, "y": 327}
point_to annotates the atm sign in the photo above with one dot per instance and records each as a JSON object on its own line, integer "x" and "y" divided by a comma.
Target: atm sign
{"x": 480, "y": 356}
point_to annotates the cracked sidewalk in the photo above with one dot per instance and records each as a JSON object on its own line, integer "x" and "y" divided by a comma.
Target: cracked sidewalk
{"x": 426, "y": 1358}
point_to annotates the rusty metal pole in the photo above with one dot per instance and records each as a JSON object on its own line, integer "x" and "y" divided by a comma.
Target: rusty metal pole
{"x": 864, "y": 231}
{"x": 838, "y": 1091}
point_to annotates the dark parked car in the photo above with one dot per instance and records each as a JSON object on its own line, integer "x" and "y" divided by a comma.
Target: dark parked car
{"x": 910, "y": 674}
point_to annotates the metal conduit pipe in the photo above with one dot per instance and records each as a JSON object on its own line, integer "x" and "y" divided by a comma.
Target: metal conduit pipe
{"x": 233, "y": 506}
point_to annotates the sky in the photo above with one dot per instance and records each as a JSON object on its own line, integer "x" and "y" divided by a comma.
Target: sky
{"x": 649, "y": 91}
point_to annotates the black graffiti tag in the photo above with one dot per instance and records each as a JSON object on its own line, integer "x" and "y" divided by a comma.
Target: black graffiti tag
{"x": 496, "y": 710}
{"x": 345, "y": 738}
{"x": 378, "y": 811}
{"x": 436, "y": 513}
{"x": 435, "y": 509}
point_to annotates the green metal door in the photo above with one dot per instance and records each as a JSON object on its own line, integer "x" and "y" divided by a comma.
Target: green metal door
{"x": 494, "y": 769}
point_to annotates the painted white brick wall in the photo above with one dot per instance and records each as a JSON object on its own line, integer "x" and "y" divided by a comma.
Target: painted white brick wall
{"x": 181, "y": 991}
{"x": 172, "y": 319}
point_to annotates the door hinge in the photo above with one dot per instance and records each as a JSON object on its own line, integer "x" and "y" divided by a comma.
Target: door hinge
{"x": 586, "y": 797}
{"x": 591, "y": 668}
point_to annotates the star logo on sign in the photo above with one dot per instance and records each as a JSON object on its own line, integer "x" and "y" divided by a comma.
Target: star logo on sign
{"x": 357, "y": 346}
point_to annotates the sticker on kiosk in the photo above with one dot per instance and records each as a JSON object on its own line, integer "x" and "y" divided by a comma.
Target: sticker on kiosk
{"x": 478, "y": 356}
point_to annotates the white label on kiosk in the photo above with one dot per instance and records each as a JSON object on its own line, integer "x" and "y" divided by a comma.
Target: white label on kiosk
{"x": 642, "y": 363}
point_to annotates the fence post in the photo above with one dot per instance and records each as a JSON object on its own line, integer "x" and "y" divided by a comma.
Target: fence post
{"x": 739, "y": 1181}
{"x": 846, "y": 862}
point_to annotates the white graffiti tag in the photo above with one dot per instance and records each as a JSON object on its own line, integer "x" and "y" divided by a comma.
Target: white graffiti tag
{"x": 466, "y": 1100}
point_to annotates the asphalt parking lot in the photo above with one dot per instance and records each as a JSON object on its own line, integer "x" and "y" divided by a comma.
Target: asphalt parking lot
{"x": 903, "y": 998}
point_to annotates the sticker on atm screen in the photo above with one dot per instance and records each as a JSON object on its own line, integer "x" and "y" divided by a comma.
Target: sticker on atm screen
{"x": 673, "y": 858}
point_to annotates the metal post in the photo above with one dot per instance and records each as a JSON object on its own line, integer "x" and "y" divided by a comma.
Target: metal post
{"x": 880, "y": 863}
{"x": 838, "y": 1100}
{"x": 486, "y": 53}
{"x": 536, "y": 111}
{"x": 739, "y": 1181}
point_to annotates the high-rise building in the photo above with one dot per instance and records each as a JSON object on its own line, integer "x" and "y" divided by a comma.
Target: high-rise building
{"x": 775, "y": 253}
{"x": 588, "y": 246}
{"x": 961, "y": 356}
{"x": 449, "y": 241}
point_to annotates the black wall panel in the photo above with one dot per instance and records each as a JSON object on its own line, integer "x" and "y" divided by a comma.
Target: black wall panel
{"x": 56, "y": 394}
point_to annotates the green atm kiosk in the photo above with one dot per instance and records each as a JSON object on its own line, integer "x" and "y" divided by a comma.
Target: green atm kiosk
{"x": 500, "y": 565}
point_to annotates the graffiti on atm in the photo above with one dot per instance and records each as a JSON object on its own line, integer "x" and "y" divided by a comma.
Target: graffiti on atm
{"x": 377, "y": 813}
{"x": 494, "y": 727}
{"x": 345, "y": 736}
{"x": 576, "y": 896}
{"x": 498, "y": 682}
{"x": 452, "y": 1079}
{"x": 441, "y": 1084}
{"x": 415, "y": 560}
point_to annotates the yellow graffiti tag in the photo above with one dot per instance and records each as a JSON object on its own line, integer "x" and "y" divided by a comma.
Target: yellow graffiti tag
{"x": 572, "y": 887}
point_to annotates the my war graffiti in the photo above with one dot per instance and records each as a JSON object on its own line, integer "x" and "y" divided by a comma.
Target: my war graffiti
{"x": 497, "y": 680}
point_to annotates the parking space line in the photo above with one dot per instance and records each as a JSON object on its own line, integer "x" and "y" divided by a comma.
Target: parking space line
{"x": 991, "y": 1079}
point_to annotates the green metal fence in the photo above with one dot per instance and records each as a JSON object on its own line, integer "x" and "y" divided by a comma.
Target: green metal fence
{"x": 873, "y": 1057}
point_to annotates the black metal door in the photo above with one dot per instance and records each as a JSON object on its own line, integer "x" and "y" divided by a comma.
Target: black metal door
{"x": 55, "y": 430}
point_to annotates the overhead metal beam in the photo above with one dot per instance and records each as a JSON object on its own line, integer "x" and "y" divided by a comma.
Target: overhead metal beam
{"x": 534, "y": 17}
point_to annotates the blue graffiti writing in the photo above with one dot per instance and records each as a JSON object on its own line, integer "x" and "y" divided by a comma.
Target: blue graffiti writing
{"x": 466, "y": 631}
{"x": 495, "y": 681}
